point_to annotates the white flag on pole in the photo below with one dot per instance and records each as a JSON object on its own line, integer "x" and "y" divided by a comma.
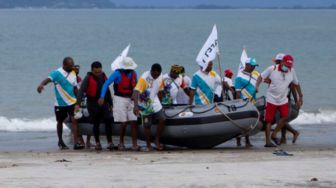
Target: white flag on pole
{"x": 116, "y": 62}
{"x": 209, "y": 50}
{"x": 243, "y": 60}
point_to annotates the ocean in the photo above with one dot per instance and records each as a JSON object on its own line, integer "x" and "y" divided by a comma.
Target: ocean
{"x": 34, "y": 42}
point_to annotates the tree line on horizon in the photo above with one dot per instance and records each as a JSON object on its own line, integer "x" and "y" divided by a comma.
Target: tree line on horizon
{"x": 107, "y": 4}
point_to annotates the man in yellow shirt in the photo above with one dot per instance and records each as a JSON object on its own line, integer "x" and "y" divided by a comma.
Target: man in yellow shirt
{"x": 146, "y": 102}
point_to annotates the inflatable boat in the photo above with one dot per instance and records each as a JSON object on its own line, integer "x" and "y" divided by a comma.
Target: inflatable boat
{"x": 199, "y": 126}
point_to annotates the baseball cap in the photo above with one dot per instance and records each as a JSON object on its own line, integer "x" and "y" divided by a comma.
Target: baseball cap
{"x": 278, "y": 57}
{"x": 252, "y": 61}
{"x": 288, "y": 61}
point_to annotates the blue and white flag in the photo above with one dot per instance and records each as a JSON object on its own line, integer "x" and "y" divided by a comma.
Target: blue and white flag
{"x": 209, "y": 50}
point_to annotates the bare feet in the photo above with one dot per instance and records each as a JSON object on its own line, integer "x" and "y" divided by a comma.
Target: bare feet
{"x": 98, "y": 147}
{"x": 121, "y": 147}
{"x": 283, "y": 140}
{"x": 295, "y": 136}
{"x": 88, "y": 145}
{"x": 159, "y": 146}
{"x": 136, "y": 148}
{"x": 147, "y": 149}
{"x": 248, "y": 145}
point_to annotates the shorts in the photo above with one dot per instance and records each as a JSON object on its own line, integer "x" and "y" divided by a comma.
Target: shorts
{"x": 271, "y": 110}
{"x": 63, "y": 112}
{"x": 147, "y": 121}
{"x": 123, "y": 109}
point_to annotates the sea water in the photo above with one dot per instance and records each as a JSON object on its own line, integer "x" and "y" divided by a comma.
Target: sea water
{"x": 34, "y": 42}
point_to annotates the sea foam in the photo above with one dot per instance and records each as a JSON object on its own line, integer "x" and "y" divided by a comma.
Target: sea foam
{"x": 17, "y": 124}
{"x": 49, "y": 124}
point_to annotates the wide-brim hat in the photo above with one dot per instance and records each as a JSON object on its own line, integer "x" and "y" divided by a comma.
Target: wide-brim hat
{"x": 127, "y": 63}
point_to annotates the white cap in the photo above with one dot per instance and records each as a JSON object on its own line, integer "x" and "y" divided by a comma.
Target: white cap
{"x": 279, "y": 56}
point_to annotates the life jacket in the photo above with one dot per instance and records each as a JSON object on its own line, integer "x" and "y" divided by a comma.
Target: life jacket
{"x": 125, "y": 87}
{"x": 92, "y": 90}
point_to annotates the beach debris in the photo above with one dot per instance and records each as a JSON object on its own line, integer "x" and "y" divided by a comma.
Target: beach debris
{"x": 280, "y": 152}
{"x": 314, "y": 179}
{"x": 62, "y": 161}
{"x": 15, "y": 165}
{"x": 207, "y": 168}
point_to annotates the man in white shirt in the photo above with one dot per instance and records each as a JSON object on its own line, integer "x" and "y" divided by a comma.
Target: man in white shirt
{"x": 281, "y": 76}
{"x": 183, "y": 93}
{"x": 173, "y": 82}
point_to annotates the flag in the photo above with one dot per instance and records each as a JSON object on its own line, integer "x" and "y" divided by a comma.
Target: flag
{"x": 115, "y": 63}
{"x": 243, "y": 60}
{"x": 209, "y": 50}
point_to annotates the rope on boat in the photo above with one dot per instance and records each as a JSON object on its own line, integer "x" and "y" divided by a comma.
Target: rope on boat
{"x": 245, "y": 130}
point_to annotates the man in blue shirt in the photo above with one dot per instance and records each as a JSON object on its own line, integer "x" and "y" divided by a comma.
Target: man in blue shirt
{"x": 124, "y": 80}
{"x": 65, "y": 82}
{"x": 245, "y": 84}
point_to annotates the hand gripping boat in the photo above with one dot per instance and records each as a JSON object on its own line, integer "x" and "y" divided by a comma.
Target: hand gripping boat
{"x": 202, "y": 126}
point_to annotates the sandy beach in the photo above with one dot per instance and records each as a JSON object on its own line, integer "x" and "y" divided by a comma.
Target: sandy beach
{"x": 220, "y": 167}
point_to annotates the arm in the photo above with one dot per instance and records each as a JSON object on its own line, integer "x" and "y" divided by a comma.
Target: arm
{"x": 42, "y": 84}
{"x": 298, "y": 89}
{"x": 107, "y": 83}
{"x": 258, "y": 83}
{"x": 82, "y": 90}
{"x": 238, "y": 94}
{"x": 191, "y": 96}
{"x": 135, "y": 98}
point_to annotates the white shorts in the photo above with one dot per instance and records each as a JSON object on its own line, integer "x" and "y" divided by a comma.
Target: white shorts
{"x": 123, "y": 109}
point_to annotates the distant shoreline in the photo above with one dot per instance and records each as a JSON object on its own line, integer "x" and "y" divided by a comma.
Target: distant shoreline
{"x": 161, "y": 8}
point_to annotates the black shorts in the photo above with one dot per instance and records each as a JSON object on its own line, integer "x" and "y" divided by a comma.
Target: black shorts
{"x": 153, "y": 118}
{"x": 63, "y": 112}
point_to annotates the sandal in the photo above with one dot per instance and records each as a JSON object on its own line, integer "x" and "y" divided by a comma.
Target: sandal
{"x": 136, "y": 148}
{"x": 282, "y": 153}
{"x": 276, "y": 141}
{"x": 62, "y": 146}
{"x": 98, "y": 147}
{"x": 78, "y": 146}
{"x": 110, "y": 147}
{"x": 121, "y": 147}
{"x": 269, "y": 145}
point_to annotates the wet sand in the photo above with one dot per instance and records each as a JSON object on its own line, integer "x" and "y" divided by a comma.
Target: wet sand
{"x": 312, "y": 165}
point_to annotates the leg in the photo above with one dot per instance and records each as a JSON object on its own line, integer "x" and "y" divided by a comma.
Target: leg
{"x": 248, "y": 142}
{"x": 60, "y": 114}
{"x": 283, "y": 139}
{"x": 238, "y": 139}
{"x": 81, "y": 140}
{"x": 134, "y": 132}
{"x": 121, "y": 145}
{"x": 269, "y": 116}
{"x": 159, "y": 131}
{"x": 293, "y": 131}
{"x": 60, "y": 132}
{"x": 283, "y": 114}
{"x": 88, "y": 142}
{"x": 75, "y": 133}
{"x": 267, "y": 135}
{"x": 93, "y": 109}
{"x": 147, "y": 133}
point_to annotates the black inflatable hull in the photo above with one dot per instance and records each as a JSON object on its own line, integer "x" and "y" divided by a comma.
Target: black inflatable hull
{"x": 200, "y": 126}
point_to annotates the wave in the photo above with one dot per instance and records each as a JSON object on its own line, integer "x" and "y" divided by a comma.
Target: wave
{"x": 319, "y": 117}
{"x": 20, "y": 125}
{"x": 49, "y": 124}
